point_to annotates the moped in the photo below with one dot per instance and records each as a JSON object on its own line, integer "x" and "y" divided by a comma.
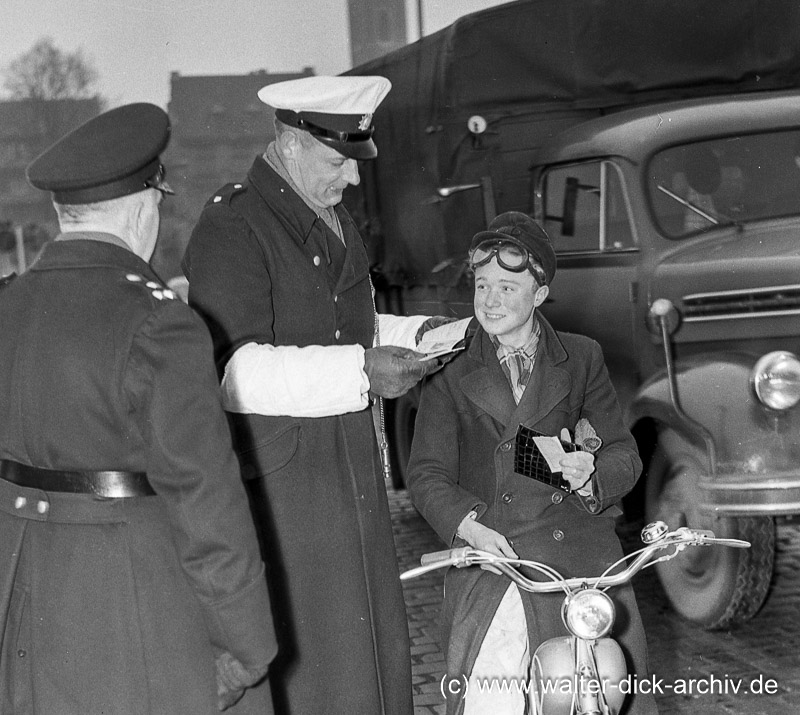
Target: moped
{"x": 583, "y": 673}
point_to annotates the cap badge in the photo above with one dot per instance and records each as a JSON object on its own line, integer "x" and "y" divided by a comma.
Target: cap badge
{"x": 366, "y": 120}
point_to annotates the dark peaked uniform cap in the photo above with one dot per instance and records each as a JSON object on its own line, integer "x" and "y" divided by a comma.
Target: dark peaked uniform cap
{"x": 111, "y": 155}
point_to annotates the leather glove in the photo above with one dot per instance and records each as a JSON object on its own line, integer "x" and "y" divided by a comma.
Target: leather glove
{"x": 393, "y": 371}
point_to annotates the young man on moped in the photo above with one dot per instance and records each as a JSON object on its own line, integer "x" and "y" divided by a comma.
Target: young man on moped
{"x": 517, "y": 371}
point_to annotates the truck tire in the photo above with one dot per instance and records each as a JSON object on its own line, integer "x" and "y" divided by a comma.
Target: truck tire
{"x": 718, "y": 586}
{"x": 400, "y": 419}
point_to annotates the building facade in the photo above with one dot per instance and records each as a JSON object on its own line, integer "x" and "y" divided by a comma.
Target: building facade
{"x": 28, "y": 127}
{"x": 218, "y": 127}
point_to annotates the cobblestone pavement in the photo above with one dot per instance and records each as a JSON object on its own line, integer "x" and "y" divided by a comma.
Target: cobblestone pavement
{"x": 765, "y": 651}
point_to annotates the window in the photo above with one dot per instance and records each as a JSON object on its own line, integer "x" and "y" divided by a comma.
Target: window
{"x": 586, "y": 208}
{"x": 730, "y": 180}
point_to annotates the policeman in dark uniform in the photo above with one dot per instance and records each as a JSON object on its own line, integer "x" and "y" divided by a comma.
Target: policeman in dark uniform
{"x": 130, "y": 574}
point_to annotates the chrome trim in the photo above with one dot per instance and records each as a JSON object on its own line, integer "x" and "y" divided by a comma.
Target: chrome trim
{"x": 751, "y": 303}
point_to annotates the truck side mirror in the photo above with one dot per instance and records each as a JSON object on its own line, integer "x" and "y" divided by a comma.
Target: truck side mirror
{"x": 571, "y": 187}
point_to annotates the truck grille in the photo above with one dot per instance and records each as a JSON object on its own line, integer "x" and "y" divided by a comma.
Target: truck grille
{"x": 753, "y": 303}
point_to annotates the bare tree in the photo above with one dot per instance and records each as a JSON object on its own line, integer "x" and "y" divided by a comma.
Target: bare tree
{"x": 47, "y": 73}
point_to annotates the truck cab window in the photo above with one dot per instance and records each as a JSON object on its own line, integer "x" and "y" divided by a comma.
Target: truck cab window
{"x": 586, "y": 208}
{"x": 696, "y": 187}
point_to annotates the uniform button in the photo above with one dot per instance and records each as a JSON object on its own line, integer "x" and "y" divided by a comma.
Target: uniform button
{"x": 591, "y": 502}
{"x": 505, "y": 446}
{"x": 336, "y": 299}
{"x": 42, "y": 507}
{"x": 317, "y": 260}
{"x": 133, "y": 278}
{"x": 558, "y": 535}
{"x": 21, "y": 653}
{"x": 237, "y": 186}
{"x": 507, "y": 498}
{"x": 337, "y": 334}
{"x": 20, "y": 502}
{"x": 557, "y": 498}
{"x": 217, "y": 199}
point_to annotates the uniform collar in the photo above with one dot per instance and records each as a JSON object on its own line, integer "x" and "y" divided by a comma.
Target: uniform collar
{"x": 85, "y": 250}
{"x": 93, "y": 236}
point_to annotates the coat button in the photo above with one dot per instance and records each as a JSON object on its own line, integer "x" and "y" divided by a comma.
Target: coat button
{"x": 557, "y": 498}
{"x": 558, "y": 535}
{"x": 337, "y": 334}
{"x": 317, "y": 260}
{"x": 507, "y": 498}
{"x": 505, "y": 446}
{"x": 20, "y": 502}
{"x": 21, "y": 653}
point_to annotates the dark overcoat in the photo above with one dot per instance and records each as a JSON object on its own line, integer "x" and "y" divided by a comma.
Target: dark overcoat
{"x": 463, "y": 458}
{"x": 260, "y": 270}
{"x": 119, "y": 606}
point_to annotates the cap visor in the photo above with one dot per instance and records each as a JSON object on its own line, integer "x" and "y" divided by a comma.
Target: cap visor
{"x": 361, "y": 150}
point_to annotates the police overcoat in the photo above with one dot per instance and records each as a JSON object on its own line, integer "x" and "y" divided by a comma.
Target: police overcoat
{"x": 119, "y": 605}
{"x": 258, "y": 271}
{"x": 463, "y": 458}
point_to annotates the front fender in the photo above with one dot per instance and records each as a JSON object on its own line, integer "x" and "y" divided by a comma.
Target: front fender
{"x": 757, "y": 449}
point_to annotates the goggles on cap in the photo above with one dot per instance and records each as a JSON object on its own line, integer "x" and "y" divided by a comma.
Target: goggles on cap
{"x": 509, "y": 255}
{"x": 158, "y": 183}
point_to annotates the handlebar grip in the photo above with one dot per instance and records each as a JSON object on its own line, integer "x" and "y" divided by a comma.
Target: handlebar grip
{"x": 441, "y": 556}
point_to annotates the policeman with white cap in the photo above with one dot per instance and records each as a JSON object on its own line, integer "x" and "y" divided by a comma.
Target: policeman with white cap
{"x": 131, "y": 566}
{"x": 278, "y": 269}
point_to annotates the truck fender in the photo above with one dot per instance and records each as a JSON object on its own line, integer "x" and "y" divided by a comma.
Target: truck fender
{"x": 716, "y": 392}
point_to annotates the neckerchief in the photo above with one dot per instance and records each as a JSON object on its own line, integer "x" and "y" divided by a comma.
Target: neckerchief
{"x": 517, "y": 363}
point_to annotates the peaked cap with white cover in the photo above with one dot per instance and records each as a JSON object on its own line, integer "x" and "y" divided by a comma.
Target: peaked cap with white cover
{"x": 336, "y": 111}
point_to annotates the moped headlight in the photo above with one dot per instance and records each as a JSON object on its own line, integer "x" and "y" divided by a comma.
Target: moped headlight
{"x": 776, "y": 380}
{"x": 588, "y": 613}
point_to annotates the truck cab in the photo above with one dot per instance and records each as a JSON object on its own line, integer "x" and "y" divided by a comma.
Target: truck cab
{"x": 677, "y": 230}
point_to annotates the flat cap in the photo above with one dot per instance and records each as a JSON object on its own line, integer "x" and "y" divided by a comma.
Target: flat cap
{"x": 114, "y": 154}
{"x": 520, "y": 229}
{"x": 335, "y": 110}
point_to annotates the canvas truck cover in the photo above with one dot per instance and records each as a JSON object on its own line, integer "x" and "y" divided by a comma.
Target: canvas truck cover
{"x": 535, "y": 67}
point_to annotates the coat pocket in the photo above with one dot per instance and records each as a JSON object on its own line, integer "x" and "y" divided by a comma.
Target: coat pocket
{"x": 264, "y": 444}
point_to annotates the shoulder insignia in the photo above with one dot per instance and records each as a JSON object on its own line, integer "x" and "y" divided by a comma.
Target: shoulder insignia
{"x": 157, "y": 290}
{"x": 226, "y": 193}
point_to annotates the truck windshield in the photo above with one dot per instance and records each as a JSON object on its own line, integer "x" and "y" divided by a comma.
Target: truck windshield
{"x": 697, "y": 187}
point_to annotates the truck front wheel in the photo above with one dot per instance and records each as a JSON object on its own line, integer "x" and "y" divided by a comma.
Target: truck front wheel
{"x": 714, "y": 586}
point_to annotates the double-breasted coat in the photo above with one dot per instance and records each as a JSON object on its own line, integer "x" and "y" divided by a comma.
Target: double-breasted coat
{"x": 119, "y": 605}
{"x": 260, "y": 270}
{"x": 463, "y": 458}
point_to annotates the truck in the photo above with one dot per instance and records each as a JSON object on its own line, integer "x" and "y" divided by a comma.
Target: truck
{"x": 659, "y": 146}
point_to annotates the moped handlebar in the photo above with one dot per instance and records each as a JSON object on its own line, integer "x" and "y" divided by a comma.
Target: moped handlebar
{"x": 646, "y": 556}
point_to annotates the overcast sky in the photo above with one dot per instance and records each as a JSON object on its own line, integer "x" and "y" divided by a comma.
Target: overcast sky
{"x": 135, "y": 45}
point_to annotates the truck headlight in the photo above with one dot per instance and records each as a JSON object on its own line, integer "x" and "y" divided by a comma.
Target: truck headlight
{"x": 588, "y": 614}
{"x": 776, "y": 380}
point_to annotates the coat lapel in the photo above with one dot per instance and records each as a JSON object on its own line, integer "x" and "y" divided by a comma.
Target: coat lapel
{"x": 488, "y": 388}
{"x": 549, "y": 383}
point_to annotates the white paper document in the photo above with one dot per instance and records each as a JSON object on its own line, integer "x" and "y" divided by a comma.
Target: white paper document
{"x": 551, "y": 450}
{"x": 443, "y": 340}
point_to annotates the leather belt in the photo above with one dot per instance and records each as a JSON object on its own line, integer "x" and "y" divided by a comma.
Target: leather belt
{"x": 114, "y": 484}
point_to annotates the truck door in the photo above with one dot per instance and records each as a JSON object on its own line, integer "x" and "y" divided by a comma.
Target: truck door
{"x": 586, "y": 210}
